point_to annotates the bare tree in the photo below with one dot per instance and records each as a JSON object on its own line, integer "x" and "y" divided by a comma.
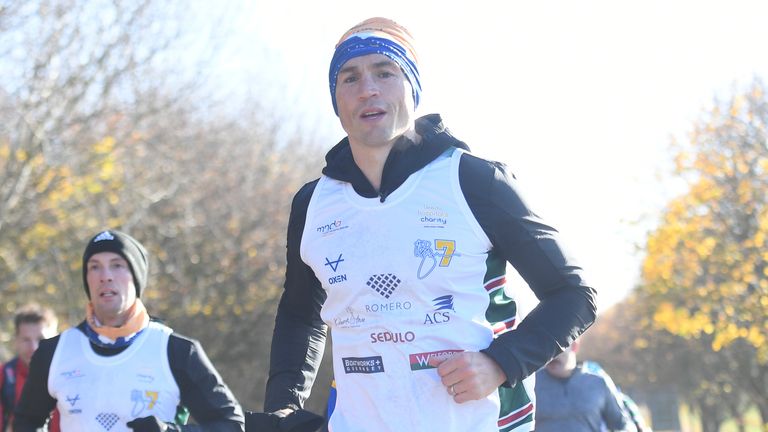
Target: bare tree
{"x": 73, "y": 69}
{"x": 105, "y": 122}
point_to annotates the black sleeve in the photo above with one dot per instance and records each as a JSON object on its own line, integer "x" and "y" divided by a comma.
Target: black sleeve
{"x": 299, "y": 336}
{"x": 36, "y": 404}
{"x": 203, "y": 392}
{"x": 566, "y": 303}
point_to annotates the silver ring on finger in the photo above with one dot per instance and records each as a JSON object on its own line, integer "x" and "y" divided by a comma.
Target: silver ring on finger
{"x": 452, "y": 390}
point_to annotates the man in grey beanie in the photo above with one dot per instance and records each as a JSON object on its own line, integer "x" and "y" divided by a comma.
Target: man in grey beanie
{"x": 119, "y": 370}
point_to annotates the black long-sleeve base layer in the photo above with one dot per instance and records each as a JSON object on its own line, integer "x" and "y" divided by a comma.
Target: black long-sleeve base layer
{"x": 567, "y": 303}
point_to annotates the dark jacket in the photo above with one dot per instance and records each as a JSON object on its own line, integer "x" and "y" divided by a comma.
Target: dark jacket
{"x": 9, "y": 380}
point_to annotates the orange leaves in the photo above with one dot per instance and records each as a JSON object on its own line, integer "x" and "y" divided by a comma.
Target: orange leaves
{"x": 706, "y": 268}
{"x": 707, "y": 165}
{"x": 705, "y": 247}
{"x": 680, "y": 320}
{"x": 706, "y": 190}
{"x": 61, "y": 196}
{"x": 105, "y": 146}
{"x": 666, "y": 316}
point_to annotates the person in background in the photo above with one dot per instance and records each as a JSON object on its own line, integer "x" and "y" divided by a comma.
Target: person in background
{"x": 574, "y": 397}
{"x": 629, "y": 405}
{"x": 120, "y": 370}
{"x": 32, "y": 323}
{"x": 400, "y": 248}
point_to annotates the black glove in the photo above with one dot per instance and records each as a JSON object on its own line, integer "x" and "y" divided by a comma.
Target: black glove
{"x": 296, "y": 421}
{"x": 150, "y": 424}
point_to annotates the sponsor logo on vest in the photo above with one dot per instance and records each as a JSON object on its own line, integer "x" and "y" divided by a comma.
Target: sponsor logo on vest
{"x": 336, "y": 279}
{"x": 351, "y": 319}
{"x": 444, "y": 303}
{"x": 72, "y": 401}
{"x": 408, "y": 336}
{"x": 441, "y": 314}
{"x": 384, "y": 284}
{"x": 143, "y": 400}
{"x": 445, "y": 250}
{"x": 334, "y": 264}
{"x": 366, "y": 365}
{"x": 145, "y": 378}
{"x": 436, "y": 318}
{"x": 423, "y": 249}
{"x": 72, "y": 374}
{"x": 440, "y": 221}
{"x": 331, "y": 227}
{"x": 433, "y": 217}
{"x": 107, "y": 420}
{"x": 388, "y": 307}
{"x": 430, "y": 360}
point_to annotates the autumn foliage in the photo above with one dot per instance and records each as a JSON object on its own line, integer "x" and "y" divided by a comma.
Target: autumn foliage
{"x": 707, "y": 263}
{"x": 702, "y": 303}
{"x": 103, "y": 125}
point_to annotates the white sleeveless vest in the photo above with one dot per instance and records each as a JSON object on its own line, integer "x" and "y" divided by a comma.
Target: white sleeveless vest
{"x": 406, "y": 284}
{"x": 96, "y": 393}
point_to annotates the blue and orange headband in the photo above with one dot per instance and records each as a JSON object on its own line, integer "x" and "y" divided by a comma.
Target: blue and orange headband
{"x": 377, "y": 36}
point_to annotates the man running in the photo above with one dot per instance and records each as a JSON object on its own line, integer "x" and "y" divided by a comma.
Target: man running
{"x": 400, "y": 249}
{"x": 119, "y": 370}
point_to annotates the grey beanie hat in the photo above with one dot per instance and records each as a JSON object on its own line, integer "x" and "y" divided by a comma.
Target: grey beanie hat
{"x": 123, "y": 245}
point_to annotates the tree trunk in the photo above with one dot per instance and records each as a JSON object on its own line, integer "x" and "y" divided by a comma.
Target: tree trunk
{"x": 740, "y": 423}
{"x": 710, "y": 418}
{"x": 762, "y": 408}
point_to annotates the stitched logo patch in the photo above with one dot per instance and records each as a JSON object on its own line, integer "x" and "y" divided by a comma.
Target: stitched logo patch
{"x": 106, "y": 235}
